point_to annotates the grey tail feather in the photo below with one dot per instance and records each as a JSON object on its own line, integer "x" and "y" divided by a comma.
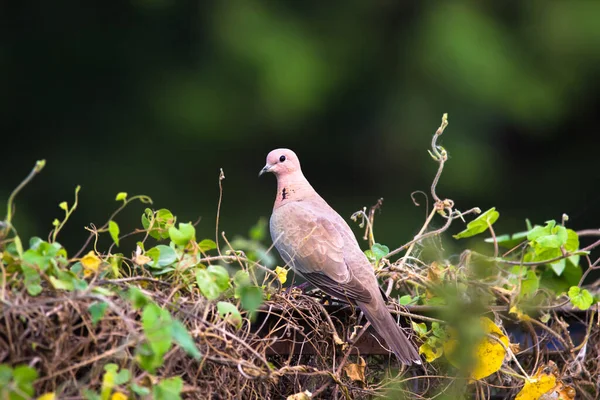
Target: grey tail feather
{"x": 383, "y": 322}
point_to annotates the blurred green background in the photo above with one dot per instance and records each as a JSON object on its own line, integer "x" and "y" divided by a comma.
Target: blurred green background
{"x": 154, "y": 96}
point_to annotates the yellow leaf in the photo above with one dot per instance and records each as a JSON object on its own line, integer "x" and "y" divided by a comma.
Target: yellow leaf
{"x": 64, "y": 205}
{"x": 47, "y": 396}
{"x": 118, "y": 396}
{"x": 431, "y": 353}
{"x": 281, "y": 274}
{"x": 488, "y": 353}
{"x": 536, "y": 386}
{"x": 519, "y": 314}
{"x": 141, "y": 259}
{"x": 90, "y": 263}
{"x": 306, "y": 395}
{"x": 356, "y": 372}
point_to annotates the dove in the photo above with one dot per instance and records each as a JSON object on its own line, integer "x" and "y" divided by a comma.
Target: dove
{"x": 318, "y": 244}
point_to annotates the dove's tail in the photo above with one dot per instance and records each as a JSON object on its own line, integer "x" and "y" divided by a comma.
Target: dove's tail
{"x": 383, "y": 322}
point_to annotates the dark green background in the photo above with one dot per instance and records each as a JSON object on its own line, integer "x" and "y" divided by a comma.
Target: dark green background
{"x": 155, "y": 96}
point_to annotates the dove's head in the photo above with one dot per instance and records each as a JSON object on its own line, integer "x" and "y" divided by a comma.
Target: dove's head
{"x": 281, "y": 162}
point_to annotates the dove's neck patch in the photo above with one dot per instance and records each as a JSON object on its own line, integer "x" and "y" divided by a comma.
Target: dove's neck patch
{"x": 293, "y": 187}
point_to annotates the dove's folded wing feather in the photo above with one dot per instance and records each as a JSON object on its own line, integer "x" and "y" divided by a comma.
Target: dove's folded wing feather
{"x": 314, "y": 246}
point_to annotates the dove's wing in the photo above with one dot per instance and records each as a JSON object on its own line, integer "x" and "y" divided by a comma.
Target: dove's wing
{"x": 314, "y": 246}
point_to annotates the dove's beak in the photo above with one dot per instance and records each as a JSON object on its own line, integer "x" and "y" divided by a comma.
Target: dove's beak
{"x": 265, "y": 169}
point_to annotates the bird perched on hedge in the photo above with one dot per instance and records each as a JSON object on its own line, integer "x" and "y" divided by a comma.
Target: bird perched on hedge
{"x": 319, "y": 245}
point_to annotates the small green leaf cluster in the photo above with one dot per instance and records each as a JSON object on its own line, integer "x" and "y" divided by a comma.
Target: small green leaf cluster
{"x": 17, "y": 383}
{"x": 183, "y": 255}
{"x": 115, "y": 381}
{"x": 433, "y": 339}
{"x": 479, "y": 224}
{"x": 376, "y": 253}
{"x": 580, "y": 298}
{"x": 161, "y": 330}
{"x": 40, "y": 259}
{"x": 549, "y": 257}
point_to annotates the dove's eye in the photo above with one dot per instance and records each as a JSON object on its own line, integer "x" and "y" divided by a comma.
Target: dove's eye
{"x": 282, "y": 159}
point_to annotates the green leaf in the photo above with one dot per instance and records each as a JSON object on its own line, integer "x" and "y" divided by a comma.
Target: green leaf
{"x": 18, "y": 246}
{"x": 91, "y": 395}
{"x": 113, "y": 229}
{"x": 146, "y": 358}
{"x": 163, "y": 271}
{"x": 80, "y": 284}
{"x": 156, "y": 323}
{"x": 561, "y": 284}
{"x": 251, "y": 298}
{"x": 548, "y": 237}
{"x": 508, "y": 240}
{"x": 122, "y": 377}
{"x": 115, "y": 261}
{"x": 207, "y": 245}
{"x": 183, "y": 235}
{"x": 420, "y": 329}
{"x": 438, "y": 331}
{"x": 36, "y": 258}
{"x": 559, "y": 266}
{"x": 406, "y": 300}
{"x": 162, "y": 220}
{"x": 206, "y": 284}
{"x": 97, "y": 311}
{"x": 64, "y": 205}
{"x": 530, "y": 284}
{"x": 102, "y": 291}
{"x": 434, "y": 341}
{"x": 182, "y": 337}
{"x": 516, "y": 273}
{"x": 379, "y": 251}
{"x": 121, "y": 196}
{"x": 108, "y": 380}
{"x": 541, "y": 254}
{"x": 6, "y": 374}
{"x": 64, "y": 281}
{"x": 212, "y": 281}
{"x": 32, "y": 280}
{"x": 580, "y": 298}
{"x": 479, "y": 224}
{"x": 220, "y": 276}
{"x": 137, "y": 298}
{"x": 34, "y": 242}
{"x": 545, "y": 318}
{"x": 168, "y": 389}
{"x": 162, "y": 256}
{"x": 241, "y": 278}
{"x": 572, "y": 243}
{"x": 229, "y": 312}
{"x": 140, "y": 390}
{"x": 24, "y": 376}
